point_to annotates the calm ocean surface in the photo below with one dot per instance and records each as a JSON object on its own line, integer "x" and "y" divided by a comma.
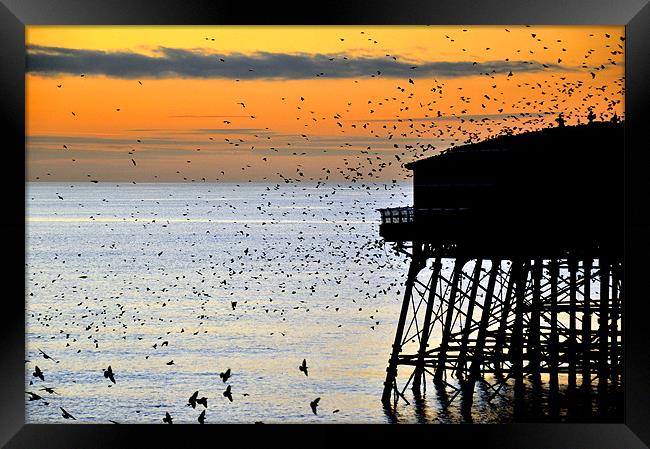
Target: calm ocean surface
{"x": 116, "y": 269}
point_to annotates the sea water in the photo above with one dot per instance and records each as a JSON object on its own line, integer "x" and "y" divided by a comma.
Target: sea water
{"x": 252, "y": 277}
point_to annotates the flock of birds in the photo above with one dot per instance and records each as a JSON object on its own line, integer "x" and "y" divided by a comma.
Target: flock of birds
{"x": 193, "y": 400}
{"x": 279, "y": 260}
{"x": 441, "y": 113}
{"x": 278, "y": 278}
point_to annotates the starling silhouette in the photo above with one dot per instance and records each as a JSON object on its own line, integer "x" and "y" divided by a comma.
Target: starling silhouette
{"x": 228, "y": 393}
{"x": 225, "y": 376}
{"x": 108, "y": 374}
{"x": 192, "y": 400}
{"x": 38, "y": 373}
{"x": 45, "y": 356}
{"x": 304, "y": 367}
{"x": 49, "y": 390}
{"x": 313, "y": 404}
{"x": 67, "y": 415}
{"x": 33, "y": 396}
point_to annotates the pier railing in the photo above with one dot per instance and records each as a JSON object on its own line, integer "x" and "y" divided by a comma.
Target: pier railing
{"x": 397, "y": 215}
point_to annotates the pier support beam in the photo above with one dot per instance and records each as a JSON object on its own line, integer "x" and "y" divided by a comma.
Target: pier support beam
{"x": 553, "y": 359}
{"x": 573, "y": 333}
{"x": 516, "y": 352}
{"x": 426, "y": 327}
{"x": 500, "y": 340}
{"x": 477, "y": 359}
{"x": 418, "y": 261}
{"x": 467, "y": 328}
{"x": 603, "y": 330}
{"x": 614, "y": 331}
{"x": 533, "y": 345}
{"x": 451, "y": 309}
{"x": 586, "y": 327}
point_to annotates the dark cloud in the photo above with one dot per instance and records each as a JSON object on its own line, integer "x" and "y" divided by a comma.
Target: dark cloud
{"x": 172, "y": 62}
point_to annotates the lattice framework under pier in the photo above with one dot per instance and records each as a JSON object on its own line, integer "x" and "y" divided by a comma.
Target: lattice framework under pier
{"x": 465, "y": 317}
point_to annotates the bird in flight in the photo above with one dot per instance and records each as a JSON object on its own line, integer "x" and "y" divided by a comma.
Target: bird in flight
{"x": 304, "y": 367}
{"x": 38, "y": 373}
{"x": 202, "y": 417}
{"x": 192, "y": 400}
{"x": 168, "y": 419}
{"x": 67, "y": 415}
{"x": 108, "y": 373}
{"x": 49, "y": 390}
{"x": 33, "y": 396}
{"x": 313, "y": 404}
{"x": 225, "y": 376}
{"x": 203, "y": 401}
{"x": 45, "y": 356}
{"x": 228, "y": 393}
{"x": 170, "y": 363}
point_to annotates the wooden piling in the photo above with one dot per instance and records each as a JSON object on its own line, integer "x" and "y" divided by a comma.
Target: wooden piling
{"x": 586, "y": 326}
{"x": 467, "y": 328}
{"x": 426, "y": 328}
{"x": 500, "y": 340}
{"x": 573, "y": 333}
{"x": 614, "y": 331}
{"x": 553, "y": 360}
{"x": 477, "y": 358}
{"x": 603, "y": 329}
{"x": 516, "y": 348}
{"x": 533, "y": 345}
{"x": 451, "y": 309}
{"x": 417, "y": 263}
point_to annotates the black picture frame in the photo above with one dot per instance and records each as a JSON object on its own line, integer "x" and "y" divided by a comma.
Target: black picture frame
{"x": 634, "y": 14}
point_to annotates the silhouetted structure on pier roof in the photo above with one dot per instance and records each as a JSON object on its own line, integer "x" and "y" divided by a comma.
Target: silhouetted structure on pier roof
{"x": 552, "y": 189}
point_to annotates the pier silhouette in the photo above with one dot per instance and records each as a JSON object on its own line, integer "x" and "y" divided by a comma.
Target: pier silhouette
{"x": 516, "y": 275}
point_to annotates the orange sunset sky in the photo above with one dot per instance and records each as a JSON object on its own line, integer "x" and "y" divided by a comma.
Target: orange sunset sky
{"x": 299, "y": 103}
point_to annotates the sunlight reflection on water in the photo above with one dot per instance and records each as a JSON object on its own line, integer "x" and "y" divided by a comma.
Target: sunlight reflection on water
{"x": 114, "y": 270}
